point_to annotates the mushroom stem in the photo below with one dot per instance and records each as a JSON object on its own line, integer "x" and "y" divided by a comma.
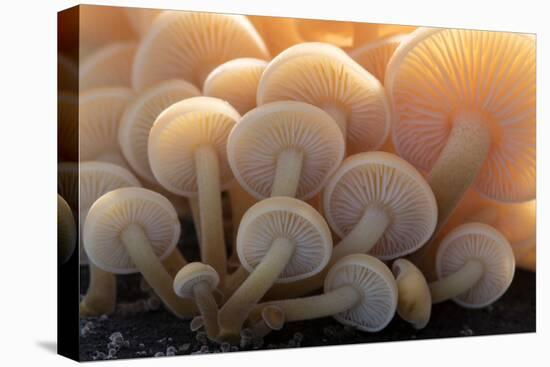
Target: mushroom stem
{"x": 213, "y": 250}
{"x": 241, "y": 201}
{"x": 287, "y": 174}
{"x": 208, "y": 308}
{"x": 194, "y": 205}
{"x": 323, "y": 305}
{"x": 233, "y": 281}
{"x": 100, "y": 297}
{"x": 339, "y": 116}
{"x": 458, "y": 282}
{"x": 235, "y": 311}
{"x": 137, "y": 244}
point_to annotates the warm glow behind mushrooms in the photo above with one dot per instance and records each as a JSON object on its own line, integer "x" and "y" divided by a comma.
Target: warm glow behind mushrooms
{"x": 100, "y": 25}
{"x": 187, "y": 45}
{"x": 325, "y": 76}
{"x": 67, "y": 126}
{"x": 108, "y": 67}
{"x": 141, "y": 19}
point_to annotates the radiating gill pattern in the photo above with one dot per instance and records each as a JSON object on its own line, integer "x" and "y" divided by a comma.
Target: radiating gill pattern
{"x": 378, "y": 187}
{"x": 175, "y": 146}
{"x": 377, "y": 303}
{"x": 324, "y": 81}
{"x": 105, "y": 246}
{"x": 189, "y": 45}
{"x": 498, "y": 266}
{"x": 311, "y": 246}
{"x": 139, "y": 118}
{"x": 256, "y": 150}
{"x": 491, "y": 72}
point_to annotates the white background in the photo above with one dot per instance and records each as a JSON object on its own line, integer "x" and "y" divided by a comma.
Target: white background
{"x": 28, "y": 182}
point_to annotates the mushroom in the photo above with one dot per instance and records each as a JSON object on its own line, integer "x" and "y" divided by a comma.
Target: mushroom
{"x": 131, "y": 230}
{"x": 325, "y": 76}
{"x": 376, "y": 203}
{"x": 285, "y": 148}
{"x": 188, "y": 156}
{"x": 415, "y": 301}
{"x": 67, "y": 126}
{"x": 273, "y": 318}
{"x": 475, "y": 266}
{"x": 464, "y": 110}
{"x": 374, "y": 56}
{"x": 141, "y": 19}
{"x": 108, "y": 67}
{"x": 359, "y": 291}
{"x": 196, "y": 281}
{"x": 66, "y": 231}
{"x": 188, "y": 45}
{"x": 100, "y": 111}
{"x": 280, "y": 239}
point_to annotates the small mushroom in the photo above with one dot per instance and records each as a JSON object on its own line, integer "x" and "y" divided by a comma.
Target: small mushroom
{"x": 100, "y": 112}
{"x": 131, "y": 230}
{"x": 285, "y": 148}
{"x": 273, "y": 318}
{"x": 188, "y": 156}
{"x": 325, "y": 76}
{"x": 464, "y": 110}
{"x": 66, "y": 231}
{"x": 359, "y": 291}
{"x": 196, "y": 281}
{"x": 188, "y": 45}
{"x": 475, "y": 266}
{"x": 378, "y": 204}
{"x": 108, "y": 67}
{"x": 280, "y": 239}
{"x": 415, "y": 301}
{"x": 374, "y": 56}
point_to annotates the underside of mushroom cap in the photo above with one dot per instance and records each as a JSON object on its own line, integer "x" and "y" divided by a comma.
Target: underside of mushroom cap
{"x": 483, "y": 243}
{"x": 291, "y": 219}
{"x": 437, "y": 74}
{"x": 109, "y": 66}
{"x": 114, "y": 212}
{"x": 188, "y": 45}
{"x": 192, "y": 274}
{"x": 180, "y": 130}
{"x": 325, "y": 76}
{"x": 376, "y": 285}
{"x": 139, "y": 117}
{"x": 374, "y": 56}
{"x": 263, "y": 133}
{"x": 100, "y": 112}
{"x": 385, "y": 182}
{"x": 236, "y": 82}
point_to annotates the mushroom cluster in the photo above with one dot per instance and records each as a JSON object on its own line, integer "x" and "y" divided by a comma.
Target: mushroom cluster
{"x": 341, "y": 151}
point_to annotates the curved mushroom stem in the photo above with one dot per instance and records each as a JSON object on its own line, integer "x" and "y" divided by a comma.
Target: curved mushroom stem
{"x": 139, "y": 248}
{"x": 361, "y": 239}
{"x": 287, "y": 174}
{"x": 213, "y": 251}
{"x": 414, "y": 301}
{"x": 241, "y": 201}
{"x": 194, "y": 205}
{"x": 235, "y": 311}
{"x": 458, "y": 282}
{"x": 208, "y": 308}
{"x": 339, "y": 116}
{"x": 454, "y": 172}
{"x": 100, "y": 297}
{"x": 323, "y": 305}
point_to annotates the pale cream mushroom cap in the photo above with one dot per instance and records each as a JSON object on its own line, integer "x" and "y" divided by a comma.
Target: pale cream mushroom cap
{"x": 108, "y": 67}
{"x": 114, "y": 212}
{"x": 192, "y": 274}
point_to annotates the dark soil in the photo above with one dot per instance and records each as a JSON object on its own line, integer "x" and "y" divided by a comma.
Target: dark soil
{"x": 131, "y": 333}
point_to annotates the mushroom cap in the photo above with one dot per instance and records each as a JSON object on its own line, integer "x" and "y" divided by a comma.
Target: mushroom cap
{"x": 274, "y": 317}
{"x": 141, "y": 19}
{"x": 66, "y": 231}
{"x": 382, "y": 181}
{"x": 374, "y": 56}
{"x": 415, "y": 306}
{"x": 325, "y": 76}
{"x": 376, "y": 285}
{"x": 114, "y": 212}
{"x": 483, "y": 243}
{"x": 139, "y": 117}
{"x": 295, "y": 220}
{"x": 192, "y": 274}
{"x": 188, "y": 45}
{"x": 67, "y": 125}
{"x": 100, "y": 112}
{"x": 236, "y": 82}
{"x": 182, "y": 128}
{"x": 109, "y": 66}
{"x": 263, "y": 133}
{"x": 436, "y": 74}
